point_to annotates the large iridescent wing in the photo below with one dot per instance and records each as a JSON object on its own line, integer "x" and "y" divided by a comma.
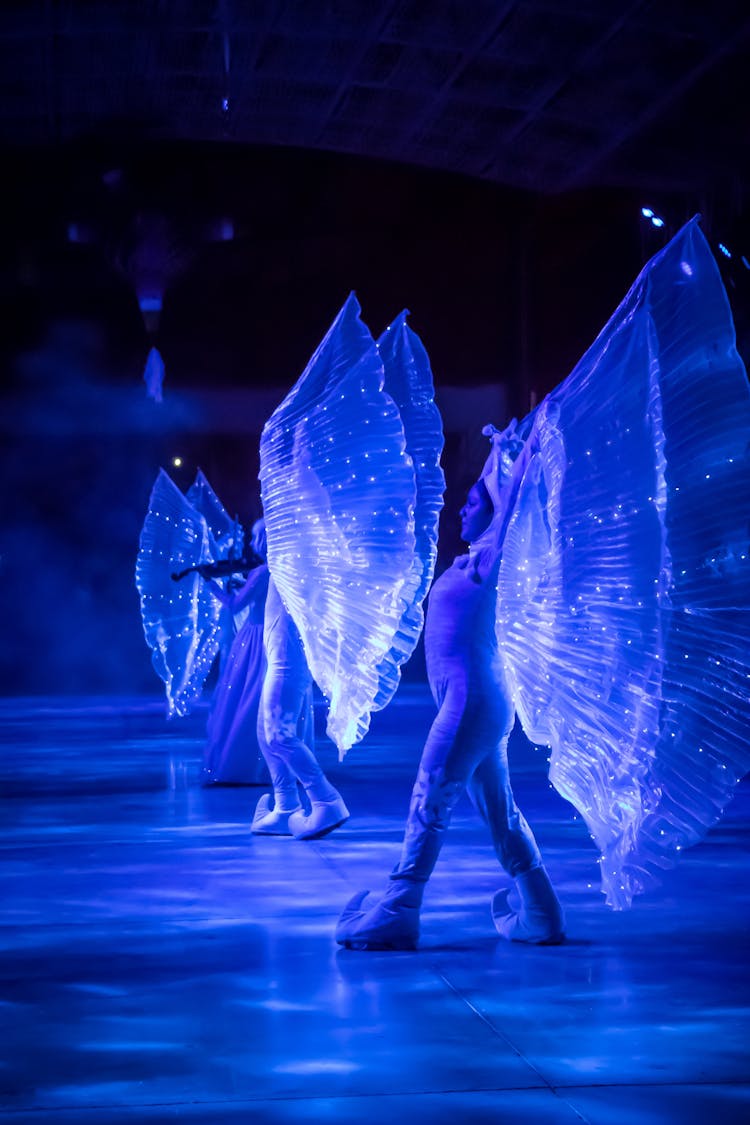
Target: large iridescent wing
{"x": 625, "y": 582}
{"x": 180, "y": 619}
{"x": 225, "y": 533}
{"x": 408, "y": 380}
{"x": 338, "y": 494}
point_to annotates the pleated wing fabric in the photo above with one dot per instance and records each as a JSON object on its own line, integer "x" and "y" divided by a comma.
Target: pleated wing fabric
{"x": 624, "y": 588}
{"x": 341, "y": 503}
{"x": 408, "y": 380}
{"x": 225, "y": 533}
{"x": 180, "y": 619}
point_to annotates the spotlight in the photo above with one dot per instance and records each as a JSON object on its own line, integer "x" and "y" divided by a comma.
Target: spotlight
{"x": 225, "y": 105}
{"x": 725, "y": 250}
{"x": 150, "y": 302}
{"x": 177, "y": 462}
{"x": 649, "y": 213}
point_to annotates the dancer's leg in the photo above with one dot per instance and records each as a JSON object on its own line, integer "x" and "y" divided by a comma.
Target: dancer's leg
{"x": 458, "y": 738}
{"x": 273, "y": 810}
{"x": 490, "y": 791}
{"x": 285, "y": 706}
{"x": 536, "y": 916}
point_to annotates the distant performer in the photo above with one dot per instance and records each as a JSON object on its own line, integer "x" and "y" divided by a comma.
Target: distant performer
{"x": 233, "y": 754}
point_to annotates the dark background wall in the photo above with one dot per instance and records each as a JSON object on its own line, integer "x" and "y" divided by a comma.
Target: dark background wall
{"x": 250, "y": 253}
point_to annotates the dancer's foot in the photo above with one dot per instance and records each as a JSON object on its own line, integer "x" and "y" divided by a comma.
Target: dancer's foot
{"x": 270, "y": 821}
{"x": 538, "y": 918}
{"x": 323, "y": 817}
{"x": 385, "y": 925}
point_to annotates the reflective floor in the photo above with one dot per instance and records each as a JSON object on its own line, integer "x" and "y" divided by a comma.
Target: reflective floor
{"x": 159, "y": 963}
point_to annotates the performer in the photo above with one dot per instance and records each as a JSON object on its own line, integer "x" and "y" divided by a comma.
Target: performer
{"x": 185, "y": 541}
{"x": 285, "y": 727}
{"x": 617, "y": 566}
{"x": 233, "y": 755}
{"x": 467, "y": 743}
{"x": 351, "y": 486}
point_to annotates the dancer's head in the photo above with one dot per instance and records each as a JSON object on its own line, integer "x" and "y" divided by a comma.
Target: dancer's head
{"x": 476, "y": 514}
{"x": 258, "y": 538}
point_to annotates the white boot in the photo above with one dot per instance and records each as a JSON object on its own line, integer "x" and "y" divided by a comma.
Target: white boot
{"x": 392, "y": 922}
{"x": 539, "y": 918}
{"x": 323, "y": 817}
{"x": 271, "y": 821}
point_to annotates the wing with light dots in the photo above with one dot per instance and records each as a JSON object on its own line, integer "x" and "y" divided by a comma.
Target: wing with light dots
{"x": 624, "y": 588}
{"x": 408, "y": 380}
{"x": 339, "y": 495}
{"x": 226, "y": 534}
{"x": 180, "y": 619}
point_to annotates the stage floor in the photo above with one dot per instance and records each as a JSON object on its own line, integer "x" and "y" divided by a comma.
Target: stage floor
{"x": 160, "y": 963}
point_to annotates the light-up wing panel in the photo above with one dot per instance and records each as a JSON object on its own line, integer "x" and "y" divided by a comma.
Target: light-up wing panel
{"x": 339, "y": 494}
{"x": 624, "y": 588}
{"x": 225, "y": 533}
{"x": 408, "y": 380}
{"x": 180, "y": 619}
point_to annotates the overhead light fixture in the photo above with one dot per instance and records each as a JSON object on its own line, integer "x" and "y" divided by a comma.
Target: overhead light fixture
{"x": 649, "y": 213}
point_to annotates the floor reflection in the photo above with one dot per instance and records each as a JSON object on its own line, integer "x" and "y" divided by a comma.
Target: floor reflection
{"x": 159, "y": 962}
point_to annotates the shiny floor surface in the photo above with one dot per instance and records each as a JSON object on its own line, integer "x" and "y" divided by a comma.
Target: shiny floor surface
{"x": 159, "y": 963}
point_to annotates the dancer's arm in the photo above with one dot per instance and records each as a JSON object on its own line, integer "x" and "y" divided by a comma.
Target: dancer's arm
{"x": 255, "y": 587}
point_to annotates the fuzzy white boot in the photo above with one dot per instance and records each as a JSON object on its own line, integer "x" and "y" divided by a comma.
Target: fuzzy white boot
{"x": 271, "y": 821}
{"x": 538, "y": 918}
{"x": 391, "y": 922}
{"x": 323, "y": 817}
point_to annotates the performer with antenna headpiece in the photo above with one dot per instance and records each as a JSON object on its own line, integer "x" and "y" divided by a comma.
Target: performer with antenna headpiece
{"x": 605, "y": 599}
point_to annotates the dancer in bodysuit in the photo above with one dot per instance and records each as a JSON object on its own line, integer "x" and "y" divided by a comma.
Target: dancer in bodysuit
{"x": 285, "y": 710}
{"x": 467, "y": 744}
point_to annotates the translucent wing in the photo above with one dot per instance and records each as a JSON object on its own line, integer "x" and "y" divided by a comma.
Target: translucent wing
{"x": 338, "y": 494}
{"x": 625, "y": 584}
{"x": 180, "y": 619}
{"x": 408, "y": 380}
{"x": 226, "y": 534}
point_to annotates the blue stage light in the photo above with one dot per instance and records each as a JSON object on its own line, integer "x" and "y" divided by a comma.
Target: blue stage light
{"x": 150, "y": 302}
{"x": 725, "y": 250}
{"x": 647, "y": 212}
{"x": 657, "y": 222}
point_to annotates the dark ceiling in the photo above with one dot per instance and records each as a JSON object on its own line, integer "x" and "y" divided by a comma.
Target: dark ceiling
{"x": 481, "y": 161}
{"x": 548, "y": 95}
